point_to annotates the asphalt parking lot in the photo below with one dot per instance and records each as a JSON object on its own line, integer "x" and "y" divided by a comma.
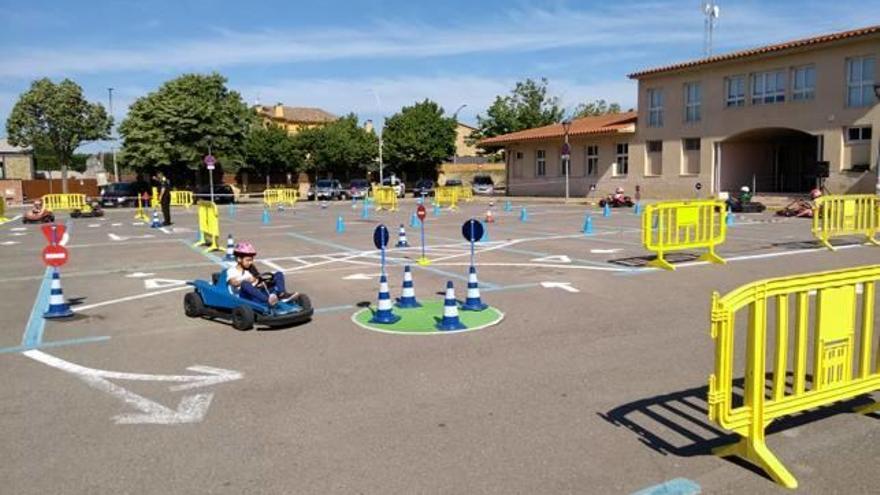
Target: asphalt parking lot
{"x": 594, "y": 382}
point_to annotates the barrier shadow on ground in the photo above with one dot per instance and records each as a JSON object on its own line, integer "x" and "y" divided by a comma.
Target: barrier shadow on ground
{"x": 678, "y": 424}
{"x": 643, "y": 261}
{"x": 806, "y": 245}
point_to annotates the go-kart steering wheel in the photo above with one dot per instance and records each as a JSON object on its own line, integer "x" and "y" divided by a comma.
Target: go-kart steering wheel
{"x": 266, "y": 278}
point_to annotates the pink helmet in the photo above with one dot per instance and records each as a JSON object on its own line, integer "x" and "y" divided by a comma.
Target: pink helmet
{"x": 244, "y": 248}
{"x": 815, "y": 193}
{"x": 619, "y": 190}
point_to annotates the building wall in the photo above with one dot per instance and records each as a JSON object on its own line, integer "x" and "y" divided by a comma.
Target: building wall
{"x": 290, "y": 127}
{"x": 466, "y": 172}
{"x": 462, "y": 148}
{"x": 825, "y": 115}
{"x": 17, "y": 166}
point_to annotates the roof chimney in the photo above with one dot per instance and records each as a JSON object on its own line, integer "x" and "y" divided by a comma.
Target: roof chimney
{"x": 368, "y": 125}
{"x": 279, "y": 110}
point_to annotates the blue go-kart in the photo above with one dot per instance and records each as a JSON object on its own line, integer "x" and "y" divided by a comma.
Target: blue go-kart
{"x": 215, "y": 300}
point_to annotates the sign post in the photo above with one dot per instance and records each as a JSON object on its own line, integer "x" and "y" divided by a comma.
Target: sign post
{"x": 473, "y": 231}
{"x": 421, "y": 213}
{"x": 380, "y": 240}
{"x": 209, "y": 164}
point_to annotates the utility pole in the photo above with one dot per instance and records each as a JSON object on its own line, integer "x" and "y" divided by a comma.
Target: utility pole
{"x": 112, "y": 139}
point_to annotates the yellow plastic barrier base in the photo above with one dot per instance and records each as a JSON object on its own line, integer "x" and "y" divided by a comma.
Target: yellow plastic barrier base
{"x": 756, "y": 452}
{"x": 710, "y": 257}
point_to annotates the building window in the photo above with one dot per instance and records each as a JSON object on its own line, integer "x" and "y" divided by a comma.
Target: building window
{"x": 655, "y": 146}
{"x": 622, "y": 163}
{"x": 693, "y": 95}
{"x": 540, "y": 163}
{"x": 803, "y": 83}
{"x": 519, "y": 155}
{"x": 859, "y": 81}
{"x": 735, "y": 91}
{"x": 655, "y": 108}
{"x": 691, "y": 144}
{"x": 856, "y": 134}
{"x": 768, "y": 87}
{"x": 593, "y": 159}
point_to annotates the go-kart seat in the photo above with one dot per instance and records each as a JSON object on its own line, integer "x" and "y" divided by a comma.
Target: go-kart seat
{"x": 218, "y": 278}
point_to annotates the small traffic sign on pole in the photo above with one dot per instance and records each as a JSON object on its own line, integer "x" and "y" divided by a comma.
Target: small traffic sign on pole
{"x": 422, "y": 214}
{"x": 380, "y": 240}
{"x": 473, "y": 231}
{"x": 210, "y": 162}
{"x": 55, "y": 256}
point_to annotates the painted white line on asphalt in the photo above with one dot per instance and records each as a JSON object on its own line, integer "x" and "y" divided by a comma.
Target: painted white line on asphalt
{"x": 125, "y": 299}
{"x": 17, "y": 229}
{"x": 139, "y": 275}
{"x": 566, "y": 286}
{"x": 162, "y": 283}
{"x": 543, "y": 265}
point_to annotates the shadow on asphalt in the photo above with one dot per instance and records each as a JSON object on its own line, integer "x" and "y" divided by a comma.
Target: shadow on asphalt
{"x": 642, "y": 261}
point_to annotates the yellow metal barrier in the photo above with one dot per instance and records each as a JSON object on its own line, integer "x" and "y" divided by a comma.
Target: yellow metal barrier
{"x": 844, "y": 301}
{"x": 465, "y": 193}
{"x": 70, "y": 202}
{"x": 846, "y": 215}
{"x": 386, "y": 198}
{"x": 684, "y": 225}
{"x": 278, "y": 196}
{"x": 209, "y": 226}
{"x": 447, "y": 196}
{"x": 178, "y": 198}
{"x": 3, "y": 218}
{"x": 140, "y": 214}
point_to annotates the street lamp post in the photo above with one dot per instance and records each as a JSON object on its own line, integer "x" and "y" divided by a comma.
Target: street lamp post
{"x": 210, "y": 169}
{"x": 455, "y": 118}
{"x": 877, "y": 165}
{"x": 112, "y": 139}
{"x": 566, "y": 155}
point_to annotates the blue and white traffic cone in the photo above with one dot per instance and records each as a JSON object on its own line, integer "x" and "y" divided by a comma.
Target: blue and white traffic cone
{"x": 154, "y": 223}
{"x": 365, "y": 213}
{"x": 414, "y": 221}
{"x": 606, "y": 210}
{"x": 485, "y": 237}
{"x": 383, "y": 314}
{"x": 266, "y": 217}
{"x": 508, "y": 206}
{"x": 230, "y": 248}
{"x": 232, "y": 210}
{"x": 588, "y": 225}
{"x": 473, "y": 302}
{"x": 450, "y": 319}
{"x": 58, "y": 307}
{"x": 523, "y": 214}
{"x": 340, "y": 225}
{"x": 407, "y": 298}
{"x": 401, "y": 238}
{"x": 729, "y": 219}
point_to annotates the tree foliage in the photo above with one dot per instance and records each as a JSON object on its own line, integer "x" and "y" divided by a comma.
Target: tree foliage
{"x": 528, "y": 105}
{"x": 596, "y": 108}
{"x": 341, "y": 149}
{"x": 56, "y": 119}
{"x": 173, "y": 126}
{"x": 418, "y": 138}
{"x": 270, "y": 149}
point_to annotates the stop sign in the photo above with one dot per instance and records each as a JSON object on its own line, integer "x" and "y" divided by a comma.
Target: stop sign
{"x": 55, "y": 256}
{"x": 420, "y": 212}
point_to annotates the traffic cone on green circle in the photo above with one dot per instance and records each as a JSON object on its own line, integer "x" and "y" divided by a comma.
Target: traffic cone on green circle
{"x": 450, "y": 320}
{"x": 58, "y": 307}
{"x": 384, "y": 315}
{"x": 473, "y": 301}
{"x": 407, "y": 297}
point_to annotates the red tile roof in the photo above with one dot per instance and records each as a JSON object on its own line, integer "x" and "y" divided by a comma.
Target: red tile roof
{"x": 752, "y": 52}
{"x": 299, "y": 114}
{"x": 603, "y": 124}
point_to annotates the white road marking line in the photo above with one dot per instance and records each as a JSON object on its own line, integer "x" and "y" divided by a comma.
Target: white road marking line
{"x": 127, "y": 298}
{"x": 162, "y": 283}
{"x": 605, "y": 251}
{"x": 9, "y": 243}
{"x": 561, "y": 258}
{"x": 18, "y": 229}
{"x": 566, "y": 286}
{"x": 139, "y": 275}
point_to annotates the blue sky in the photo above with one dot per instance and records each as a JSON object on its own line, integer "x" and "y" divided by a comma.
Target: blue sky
{"x": 372, "y": 57}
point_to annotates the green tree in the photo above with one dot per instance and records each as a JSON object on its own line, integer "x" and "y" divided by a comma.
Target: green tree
{"x": 174, "y": 126}
{"x": 55, "y": 119}
{"x": 270, "y": 150}
{"x": 418, "y": 138}
{"x": 340, "y": 149}
{"x": 528, "y": 105}
{"x": 595, "y": 108}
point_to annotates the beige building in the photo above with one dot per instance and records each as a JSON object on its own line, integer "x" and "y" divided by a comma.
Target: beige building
{"x": 462, "y": 134}
{"x": 772, "y": 117}
{"x": 15, "y": 162}
{"x": 294, "y": 119}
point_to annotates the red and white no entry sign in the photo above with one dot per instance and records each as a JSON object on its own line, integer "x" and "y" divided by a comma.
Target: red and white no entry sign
{"x": 55, "y": 256}
{"x": 420, "y": 212}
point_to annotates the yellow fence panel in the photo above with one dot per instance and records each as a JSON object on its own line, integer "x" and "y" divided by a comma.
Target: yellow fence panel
{"x": 839, "y": 341}
{"x": 846, "y": 215}
{"x": 209, "y": 226}
{"x": 465, "y": 193}
{"x": 3, "y": 218}
{"x": 178, "y": 198}
{"x": 386, "y": 198}
{"x": 447, "y": 196}
{"x": 69, "y": 202}
{"x": 279, "y": 196}
{"x": 679, "y": 225}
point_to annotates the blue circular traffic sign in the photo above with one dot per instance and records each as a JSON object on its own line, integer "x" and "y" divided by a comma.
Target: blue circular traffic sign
{"x": 380, "y": 236}
{"x": 472, "y": 230}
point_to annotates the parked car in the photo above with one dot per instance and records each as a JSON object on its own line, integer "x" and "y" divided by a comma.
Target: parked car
{"x": 397, "y": 184}
{"x": 424, "y": 187}
{"x": 483, "y": 184}
{"x": 121, "y": 194}
{"x": 453, "y": 182}
{"x": 358, "y": 188}
{"x": 223, "y": 193}
{"x": 329, "y": 189}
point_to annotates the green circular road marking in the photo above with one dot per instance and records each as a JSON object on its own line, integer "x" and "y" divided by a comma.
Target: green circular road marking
{"x": 421, "y": 321}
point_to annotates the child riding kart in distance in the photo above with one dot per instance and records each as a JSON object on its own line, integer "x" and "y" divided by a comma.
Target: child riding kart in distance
{"x": 38, "y": 214}
{"x": 246, "y": 282}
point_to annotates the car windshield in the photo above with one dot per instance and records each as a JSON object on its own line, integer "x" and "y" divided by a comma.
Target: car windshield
{"x": 360, "y": 183}
{"x": 119, "y": 187}
{"x": 453, "y": 182}
{"x": 325, "y": 183}
{"x": 483, "y": 180}
{"x": 425, "y": 183}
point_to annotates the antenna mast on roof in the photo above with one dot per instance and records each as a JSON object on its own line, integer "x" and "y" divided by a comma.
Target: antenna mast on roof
{"x": 711, "y": 11}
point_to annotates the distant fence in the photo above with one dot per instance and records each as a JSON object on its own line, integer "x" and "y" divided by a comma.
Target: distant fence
{"x": 33, "y": 189}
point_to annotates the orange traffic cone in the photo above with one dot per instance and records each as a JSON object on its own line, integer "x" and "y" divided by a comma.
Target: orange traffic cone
{"x": 490, "y": 218}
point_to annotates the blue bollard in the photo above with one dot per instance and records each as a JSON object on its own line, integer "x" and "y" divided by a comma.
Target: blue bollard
{"x": 523, "y": 215}
{"x": 340, "y": 225}
{"x": 413, "y": 221}
{"x": 588, "y": 225}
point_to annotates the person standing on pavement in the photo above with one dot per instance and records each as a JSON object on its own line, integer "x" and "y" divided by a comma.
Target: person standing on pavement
{"x": 165, "y": 198}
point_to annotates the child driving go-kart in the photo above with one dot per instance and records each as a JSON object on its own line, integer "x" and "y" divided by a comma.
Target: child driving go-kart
{"x": 38, "y": 214}
{"x": 248, "y": 283}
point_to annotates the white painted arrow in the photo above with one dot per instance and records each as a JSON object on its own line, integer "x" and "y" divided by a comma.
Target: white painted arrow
{"x": 139, "y": 275}
{"x": 361, "y": 276}
{"x": 566, "y": 286}
{"x": 115, "y": 237}
{"x": 191, "y": 408}
{"x": 554, "y": 259}
{"x": 162, "y": 283}
{"x": 605, "y": 251}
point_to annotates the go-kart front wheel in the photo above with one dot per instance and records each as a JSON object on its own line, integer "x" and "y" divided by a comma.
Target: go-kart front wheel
{"x": 304, "y": 301}
{"x": 243, "y": 318}
{"x": 193, "y": 306}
